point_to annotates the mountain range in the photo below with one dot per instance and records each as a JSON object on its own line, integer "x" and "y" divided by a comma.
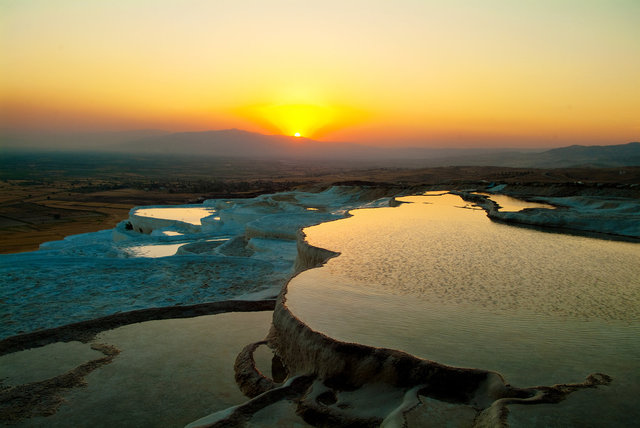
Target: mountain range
{"x": 235, "y": 143}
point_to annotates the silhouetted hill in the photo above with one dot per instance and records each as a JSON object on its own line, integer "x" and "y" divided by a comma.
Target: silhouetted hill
{"x": 235, "y": 143}
{"x": 242, "y": 144}
{"x": 563, "y": 157}
{"x": 238, "y": 143}
{"x": 599, "y": 156}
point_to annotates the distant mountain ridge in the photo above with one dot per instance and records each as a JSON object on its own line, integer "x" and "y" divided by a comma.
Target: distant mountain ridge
{"x": 562, "y": 157}
{"x": 621, "y": 154}
{"x": 236, "y": 143}
{"x": 239, "y": 143}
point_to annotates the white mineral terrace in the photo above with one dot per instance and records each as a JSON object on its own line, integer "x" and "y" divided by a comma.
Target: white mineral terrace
{"x": 165, "y": 256}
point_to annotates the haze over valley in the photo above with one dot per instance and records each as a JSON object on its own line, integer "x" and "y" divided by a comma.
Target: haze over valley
{"x": 235, "y": 143}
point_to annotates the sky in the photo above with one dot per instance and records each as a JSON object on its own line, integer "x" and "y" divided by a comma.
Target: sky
{"x": 486, "y": 73}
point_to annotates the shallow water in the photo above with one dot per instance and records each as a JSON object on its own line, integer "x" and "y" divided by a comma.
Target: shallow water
{"x": 153, "y": 251}
{"x": 185, "y": 214}
{"x": 510, "y": 204}
{"x": 171, "y": 233}
{"x": 169, "y": 372}
{"x": 445, "y": 283}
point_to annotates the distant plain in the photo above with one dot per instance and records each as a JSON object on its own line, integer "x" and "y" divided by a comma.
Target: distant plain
{"x": 48, "y": 196}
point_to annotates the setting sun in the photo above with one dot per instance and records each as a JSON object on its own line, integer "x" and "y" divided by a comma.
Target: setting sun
{"x": 310, "y": 119}
{"x": 292, "y": 119}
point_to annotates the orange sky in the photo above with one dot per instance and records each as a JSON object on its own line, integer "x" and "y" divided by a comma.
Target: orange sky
{"x": 412, "y": 72}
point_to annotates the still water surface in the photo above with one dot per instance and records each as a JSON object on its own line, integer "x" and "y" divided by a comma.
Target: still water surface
{"x": 154, "y": 251}
{"x": 511, "y": 204}
{"x": 185, "y": 214}
{"x": 443, "y": 282}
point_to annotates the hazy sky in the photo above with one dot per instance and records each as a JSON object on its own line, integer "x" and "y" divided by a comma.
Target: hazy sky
{"x": 438, "y": 73}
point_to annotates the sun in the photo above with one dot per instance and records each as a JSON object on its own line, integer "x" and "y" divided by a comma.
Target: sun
{"x": 295, "y": 120}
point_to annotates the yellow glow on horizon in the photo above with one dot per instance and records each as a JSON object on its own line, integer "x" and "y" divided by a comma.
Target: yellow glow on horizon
{"x": 310, "y": 120}
{"x": 378, "y": 72}
{"x": 298, "y": 119}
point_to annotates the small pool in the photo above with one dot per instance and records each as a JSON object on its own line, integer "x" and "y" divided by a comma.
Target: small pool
{"x": 171, "y": 233}
{"x": 510, "y": 204}
{"x": 153, "y": 251}
{"x": 192, "y": 215}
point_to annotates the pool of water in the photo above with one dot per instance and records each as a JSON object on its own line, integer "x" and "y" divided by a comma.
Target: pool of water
{"x": 192, "y": 215}
{"x": 445, "y": 283}
{"x": 153, "y": 251}
{"x": 511, "y": 204}
{"x": 171, "y": 233}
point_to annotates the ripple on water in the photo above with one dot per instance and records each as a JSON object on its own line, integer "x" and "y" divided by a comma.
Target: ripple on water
{"x": 448, "y": 284}
{"x": 441, "y": 253}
